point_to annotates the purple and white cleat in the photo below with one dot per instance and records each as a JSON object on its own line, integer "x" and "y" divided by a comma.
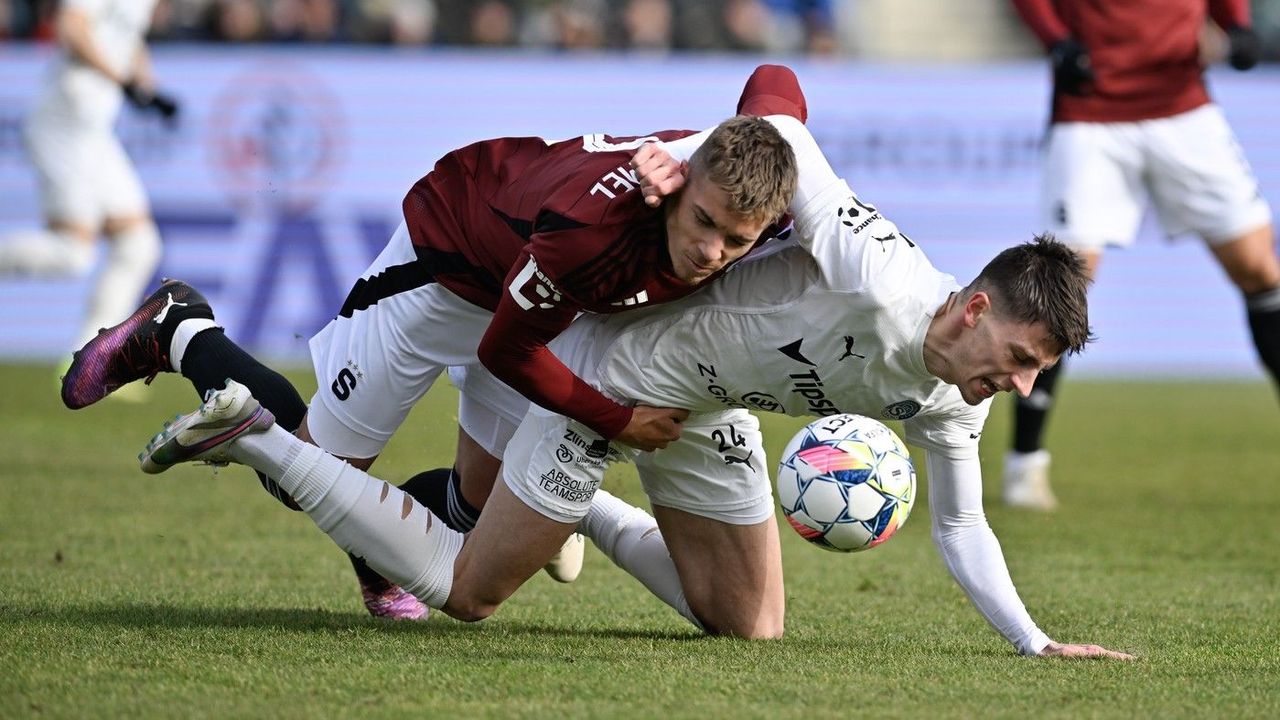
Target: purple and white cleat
{"x": 135, "y": 349}
{"x": 393, "y": 602}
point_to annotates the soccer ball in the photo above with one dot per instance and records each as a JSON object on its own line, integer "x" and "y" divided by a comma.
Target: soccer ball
{"x": 846, "y": 483}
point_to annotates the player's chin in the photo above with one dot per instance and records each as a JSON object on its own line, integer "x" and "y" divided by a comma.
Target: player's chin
{"x": 695, "y": 277}
{"x": 974, "y": 393}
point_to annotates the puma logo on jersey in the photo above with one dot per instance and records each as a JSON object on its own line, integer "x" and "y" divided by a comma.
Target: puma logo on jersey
{"x": 164, "y": 311}
{"x": 545, "y": 293}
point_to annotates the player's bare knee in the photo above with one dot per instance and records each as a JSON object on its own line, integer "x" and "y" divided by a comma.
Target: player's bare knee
{"x": 747, "y": 629}
{"x": 469, "y": 607}
{"x": 750, "y": 621}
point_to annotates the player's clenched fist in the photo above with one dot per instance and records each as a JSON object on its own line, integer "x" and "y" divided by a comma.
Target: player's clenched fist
{"x": 660, "y": 174}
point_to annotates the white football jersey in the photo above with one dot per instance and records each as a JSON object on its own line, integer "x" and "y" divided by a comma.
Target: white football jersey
{"x": 837, "y": 326}
{"x": 78, "y": 94}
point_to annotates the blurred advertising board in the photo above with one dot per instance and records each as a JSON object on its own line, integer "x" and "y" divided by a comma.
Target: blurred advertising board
{"x": 285, "y": 175}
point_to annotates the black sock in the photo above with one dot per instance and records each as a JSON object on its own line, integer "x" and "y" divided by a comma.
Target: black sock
{"x": 1264, "y": 322}
{"x": 431, "y": 488}
{"x": 440, "y": 491}
{"x": 211, "y": 357}
{"x": 1031, "y": 413}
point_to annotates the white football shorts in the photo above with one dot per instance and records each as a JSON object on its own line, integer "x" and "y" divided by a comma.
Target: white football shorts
{"x": 85, "y": 175}
{"x": 489, "y": 410}
{"x": 396, "y": 332}
{"x": 716, "y": 470}
{"x": 1099, "y": 176}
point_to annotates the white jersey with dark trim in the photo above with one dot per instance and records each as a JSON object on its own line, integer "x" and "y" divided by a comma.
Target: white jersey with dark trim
{"x": 80, "y": 95}
{"x": 833, "y": 324}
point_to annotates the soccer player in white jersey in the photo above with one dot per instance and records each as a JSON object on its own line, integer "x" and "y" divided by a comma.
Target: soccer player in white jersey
{"x": 87, "y": 183}
{"x": 854, "y": 319}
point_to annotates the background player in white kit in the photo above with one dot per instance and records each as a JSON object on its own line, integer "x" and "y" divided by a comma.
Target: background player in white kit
{"x": 87, "y": 183}
{"x": 773, "y": 335}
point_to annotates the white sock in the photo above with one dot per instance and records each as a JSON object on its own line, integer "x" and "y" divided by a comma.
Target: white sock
{"x": 182, "y": 336}
{"x": 47, "y": 253}
{"x": 630, "y": 538}
{"x": 365, "y": 516}
{"x": 132, "y": 257}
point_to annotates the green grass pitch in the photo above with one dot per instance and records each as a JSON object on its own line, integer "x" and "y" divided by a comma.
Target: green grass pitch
{"x": 194, "y": 593}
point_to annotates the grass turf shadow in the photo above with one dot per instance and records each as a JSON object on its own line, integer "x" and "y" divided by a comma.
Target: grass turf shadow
{"x": 153, "y": 616}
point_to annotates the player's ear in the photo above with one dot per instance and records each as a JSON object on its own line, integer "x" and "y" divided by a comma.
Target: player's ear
{"x": 978, "y": 304}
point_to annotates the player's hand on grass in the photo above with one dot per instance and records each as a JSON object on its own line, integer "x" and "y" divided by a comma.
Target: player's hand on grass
{"x": 652, "y": 428}
{"x": 659, "y": 174}
{"x": 1054, "y": 649}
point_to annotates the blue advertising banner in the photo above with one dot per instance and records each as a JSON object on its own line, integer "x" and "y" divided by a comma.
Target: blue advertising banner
{"x": 285, "y": 175}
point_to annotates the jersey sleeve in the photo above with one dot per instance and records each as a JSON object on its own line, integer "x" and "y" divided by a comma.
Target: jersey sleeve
{"x": 531, "y": 312}
{"x": 773, "y": 90}
{"x": 970, "y": 550}
{"x": 949, "y": 431}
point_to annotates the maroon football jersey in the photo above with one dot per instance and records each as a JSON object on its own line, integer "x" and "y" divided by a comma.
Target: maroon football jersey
{"x": 1145, "y": 53}
{"x": 538, "y": 232}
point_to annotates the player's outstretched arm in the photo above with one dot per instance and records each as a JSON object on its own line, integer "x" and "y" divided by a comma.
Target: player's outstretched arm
{"x": 1088, "y": 652}
{"x": 652, "y": 428}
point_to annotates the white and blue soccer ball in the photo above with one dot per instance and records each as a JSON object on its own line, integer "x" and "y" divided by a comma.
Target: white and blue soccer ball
{"x": 846, "y": 482}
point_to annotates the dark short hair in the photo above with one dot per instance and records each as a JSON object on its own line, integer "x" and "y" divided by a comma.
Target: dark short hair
{"x": 1041, "y": 281}
{"x": 749, "y": 159}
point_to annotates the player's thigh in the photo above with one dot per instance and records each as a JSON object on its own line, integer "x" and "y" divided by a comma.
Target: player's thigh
{"x": 119, "y": 188}
{"x": 63, "y": 161}
{"x": 1250, "y": 260}
{"x": 711, "y": 490}
{"x": 1092, "y": 191}
{"x": 396, "y": 332}
{"x": 1200, "y": 180}
{"x": 551, "y": 470}
{"x": 731, "y": 574}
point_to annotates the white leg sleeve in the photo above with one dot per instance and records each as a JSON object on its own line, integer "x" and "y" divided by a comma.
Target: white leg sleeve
{"x": 46, "y": 253}
{"x": 365, "y": 516}
{"x": 630, "y": 538}
{"x": 132, "y": 257}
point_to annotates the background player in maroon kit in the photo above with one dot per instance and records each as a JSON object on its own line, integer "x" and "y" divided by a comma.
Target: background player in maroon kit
{"x": 1132, "y": 120}
{"x": 503, "y": 244}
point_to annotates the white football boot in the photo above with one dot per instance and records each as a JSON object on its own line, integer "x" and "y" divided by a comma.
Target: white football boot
{"x": 566, "y": 565}
{"x": 1026, "y": 481}
{"x": 206, "y": 434}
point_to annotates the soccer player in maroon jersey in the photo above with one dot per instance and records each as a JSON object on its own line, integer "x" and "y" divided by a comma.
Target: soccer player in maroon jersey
{"x": 1132, "y": 120}
{"x": 504, "y": 242}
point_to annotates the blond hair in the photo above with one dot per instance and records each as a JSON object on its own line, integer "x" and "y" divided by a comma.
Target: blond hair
{"x": 749, "y": 159}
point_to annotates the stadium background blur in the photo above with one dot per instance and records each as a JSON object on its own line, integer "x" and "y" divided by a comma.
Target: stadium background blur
{"x": 922, "y": 30}
{"x": 304, "y": 121}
